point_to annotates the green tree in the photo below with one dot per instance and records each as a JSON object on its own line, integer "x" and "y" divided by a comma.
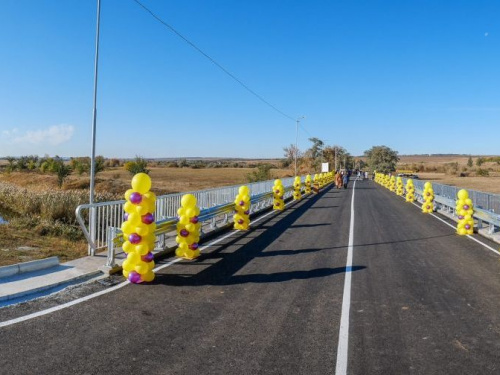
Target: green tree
{"x": 263, "y": 173}
{"x": 479, "y": 161}
{"x": 470, "y": 163}
{"x": 139, "y": 165}
{"x": 382, "y": 159}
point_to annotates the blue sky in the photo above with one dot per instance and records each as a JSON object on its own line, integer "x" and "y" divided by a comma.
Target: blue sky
{"x": 417, "y": 76}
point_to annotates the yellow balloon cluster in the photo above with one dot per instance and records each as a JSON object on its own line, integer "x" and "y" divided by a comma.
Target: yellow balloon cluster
{"x": 387, "y": 181}
{"x": 308, "y": 183}
{"x": 399, "y": 186}
{"x": 428, "y": 206}
{"x": 410, "y": 191}
{"x": 188, "y": 228}
{"x": 465, "y": 210}
{"x": 138, "y": 230}
{"x": 297, "y": 187}
{"x": 242, "y": 207}
{"x": 392, "y": 184}
{"x": 316, "y": 184}
{"x": 278, "y": 192}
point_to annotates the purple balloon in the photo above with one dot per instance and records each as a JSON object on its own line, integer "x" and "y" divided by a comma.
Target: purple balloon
{"x": 194, "y": 220}
{"x": 466, "y": 206}
{"x": 247, "y": 212}
{"x": 135, "y": 198}
{"x": 148, "y": 257}
{"x": 134, "y": 238}
{"x": 125, "y": 216}
{"x": 194, "y": 246}
{"x": 467, "y": 226}
{"x": 148, "y": 218}
{"x": 460, "y": 217}
{"x": 241, "y": 221}
{"x": 184, "y": 233}
{"x": 134, "y": 277}
{"x": 242, "y": 203}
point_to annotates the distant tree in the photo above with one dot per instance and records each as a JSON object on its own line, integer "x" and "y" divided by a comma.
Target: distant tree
{"x": 479, "y": 161}
{"x": 263, "y": 173}
{"x": 470, "y": 162}
{"x": 11, "y": 160}
{"x": 137, "y": 166}
{"x": 291, "y": 154}
{"x": 382, "y": 159}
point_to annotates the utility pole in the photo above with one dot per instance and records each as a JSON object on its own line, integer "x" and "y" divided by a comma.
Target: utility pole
{"x": 296, "y": 141}
{"x": 93, "y": 216}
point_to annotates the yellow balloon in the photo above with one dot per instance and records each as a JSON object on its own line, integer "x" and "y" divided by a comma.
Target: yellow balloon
{"x": 244, "y": 190}
{"x": 129, "y": 207}
{"x": 463, "y": 194}
{"x": 125, "y": 274}
{"x": 126, "y": 227}
{"x": 128, "y": 247}
{"x": 142, "y": 249}
{"x": 127, "y": 266}
{"x": 134, "y": 219}
{"x": 133, "y": 258}
{"x": 148, "y": 277}
{"x": 184, "y": 219}
{"x": 150, "y": 195}
{"x": 141, "y": 267}
{"x": 128, "y": 193}
{"x": 141, "y": 183}
{"x": 188, "y": 200}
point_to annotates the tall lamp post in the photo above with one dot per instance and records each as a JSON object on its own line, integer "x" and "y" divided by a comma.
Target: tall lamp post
{"x": 296, "y": 141}
{"x": 92, "y": 218}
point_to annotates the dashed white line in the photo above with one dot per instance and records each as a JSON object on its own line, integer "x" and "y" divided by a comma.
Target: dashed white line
{"x": 343, "y": 346}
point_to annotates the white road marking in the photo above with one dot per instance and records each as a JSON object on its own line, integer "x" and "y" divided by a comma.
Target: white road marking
{"x": 342, "y": 350}
{"x": 116, "y": 287}
{"x": 469, "y": 236}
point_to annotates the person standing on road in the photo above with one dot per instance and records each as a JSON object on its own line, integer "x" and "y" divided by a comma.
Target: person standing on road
{"x": 338, "y": 180}
{"x": 346, "y": 180}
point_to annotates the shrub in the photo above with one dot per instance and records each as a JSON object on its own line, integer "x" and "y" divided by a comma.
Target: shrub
{"x": 139, "y": 165}
{"x": 482, "y": 172}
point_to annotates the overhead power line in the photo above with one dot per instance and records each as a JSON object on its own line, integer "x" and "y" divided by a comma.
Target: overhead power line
{"x": 212, "y": 60}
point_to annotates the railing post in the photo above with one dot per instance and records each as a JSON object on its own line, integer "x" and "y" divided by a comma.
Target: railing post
{"x": 110, "y": 262}
{"x": 93, "y": 229}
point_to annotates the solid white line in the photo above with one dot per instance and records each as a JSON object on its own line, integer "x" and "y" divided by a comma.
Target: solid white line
{"x": 342, "y": 350}
{"x": 468, "y": 235}
{"x": 116, "y": 287}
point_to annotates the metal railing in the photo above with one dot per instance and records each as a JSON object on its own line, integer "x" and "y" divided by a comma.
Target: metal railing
{"x": 110, "y": 214}
{"x": 486, "y": 205}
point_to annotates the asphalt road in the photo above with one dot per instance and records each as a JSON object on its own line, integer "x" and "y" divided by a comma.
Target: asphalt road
{"x": 269, "y": 301}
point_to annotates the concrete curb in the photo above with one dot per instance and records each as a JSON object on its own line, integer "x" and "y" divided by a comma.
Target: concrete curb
{"x": 68, "y": 282}
{"x": 31, "y": 266}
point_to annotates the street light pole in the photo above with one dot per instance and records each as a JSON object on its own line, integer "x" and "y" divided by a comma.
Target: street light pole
{"x": 296, "y": 142}
{"x": 92, "y": 218}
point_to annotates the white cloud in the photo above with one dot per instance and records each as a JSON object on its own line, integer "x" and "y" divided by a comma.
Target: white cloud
{"x": 54, "y": 135}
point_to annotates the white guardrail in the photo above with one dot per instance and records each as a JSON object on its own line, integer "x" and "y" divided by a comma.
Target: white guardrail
{"x": 486, "y": 206}
{"x": 215, "y": 205}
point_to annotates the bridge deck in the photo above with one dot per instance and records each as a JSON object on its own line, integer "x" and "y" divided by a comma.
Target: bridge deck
{"x": 269, "y": 301}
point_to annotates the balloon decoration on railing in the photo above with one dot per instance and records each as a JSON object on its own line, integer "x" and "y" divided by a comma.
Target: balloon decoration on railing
{"x": 465, "y": 210}
{"x": 316, "y": 183}
{"x": 428, "y": 196}
{"x": 188, "y": 228}
{"x": 297, "y": 187}
{"x": 410, "y": 191}
{"x": 392, "y": 184}
{"x": 308, "y": 183}
{"x": 387, "y": 181}
{"x": 399, "y": 186}
{"x": 242, "y": 207}
{"x": 278, "y": 192}
{"x": 138, "y": 230}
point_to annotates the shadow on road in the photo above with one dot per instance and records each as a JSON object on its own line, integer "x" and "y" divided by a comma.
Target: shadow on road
{"x": 223, "y": 271}
{"x": 278, "y": 277}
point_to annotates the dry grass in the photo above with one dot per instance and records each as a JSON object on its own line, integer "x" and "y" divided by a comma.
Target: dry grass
{"x": 22, "y": 245}
{"x": 487, "y": 184}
